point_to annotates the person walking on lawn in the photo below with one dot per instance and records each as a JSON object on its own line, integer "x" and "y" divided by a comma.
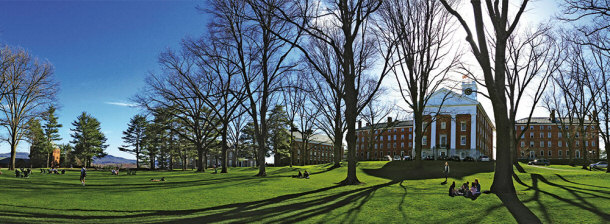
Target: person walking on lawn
{"x": 83, "y": 174}
{"x": 446, "y": 171}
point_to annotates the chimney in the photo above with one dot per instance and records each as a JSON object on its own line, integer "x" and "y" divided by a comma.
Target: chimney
{"x": 552, "y": 116}
{"x": 359, "y": 124}
{"x": 389, "y": 120}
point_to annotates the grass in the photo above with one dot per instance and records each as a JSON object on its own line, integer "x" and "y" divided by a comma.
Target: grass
{"x": 393, "y": 192}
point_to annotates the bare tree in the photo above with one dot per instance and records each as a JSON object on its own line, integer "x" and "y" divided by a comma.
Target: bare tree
{"x": 594, "y": 18}
{"x": 345, "y": 27}
{"x": 422, "y": 32}
{"x": 224, "y": 82}
{"x": 30, "y": 87}
{"x": 329, "y": 99}
{"x": 291, "y": 95}
{"x": 490, "y": 51}
{"x": 601, "y": 112}
{"x": 235, "y": 131}
{"x": 578, "y": 82}
{"x": 179, "y": 88}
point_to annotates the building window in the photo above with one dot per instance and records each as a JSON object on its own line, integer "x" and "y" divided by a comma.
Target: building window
{"x": 402, "y": 130}
{"x": 548, "y": 144}
{"x": 550, "y": 153}
{"x": 541, "y": 127}
{"x": 375, "y": 131}
{"x": 425, "y": 125}
{"x": 402, "y": 137}
{"x": 402, "y": 145}
{"x": 587, "y": 143}
{"x": 443, "y": 125}
{"x": 559, "y": 143}
{"x": 389, "y": 146}
{"x": 541, "y": 152}
{"x": 593, "y": 143}
{"x": 541, "y": 134}
{"x": 531, "y": 134}
{"x": 549, "y": 135}
{"x": 522, "y": 135}
{"x": 424, "y": 140}
{"x": 531, "y": 143}
{"x": 410, "y": 144}
{"x": 531, "y": 127}
{"x": 522, "y": 154}
{"x": 463, "y": 140}
{"x": 577, "y": 143}
{"x": 443, "y": 140}
{"x": 577, "y": 154}
{"x": 381, "y": 138}
{"x": 463, "y": 125}
{"x": 522, "y": 128}
{"x": 522, "y": 144}
{"x": 541, "y": 144}
{"x": 410, "y": 129}
{"x": 548, "y": 127}
{"x": 394, "y": 137}
{"x": 375, "y": 146}
{"x": 559, "y": 153}
{"x": 410, "y": 136}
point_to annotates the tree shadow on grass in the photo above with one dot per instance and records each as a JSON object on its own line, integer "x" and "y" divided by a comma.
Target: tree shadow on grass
{"x": 581, "y": 201}
{"x": 290, "y": 208}
{"x": 566, "y": 180}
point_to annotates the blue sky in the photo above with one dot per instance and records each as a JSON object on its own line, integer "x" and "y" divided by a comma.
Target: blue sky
{"x": 102, "y": 51}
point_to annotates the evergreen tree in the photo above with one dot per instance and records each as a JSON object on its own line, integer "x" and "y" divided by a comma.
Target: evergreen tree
{"x": 36, "y": 138}
{"x": 51, "y": 132}
{"x": 134, "y": 136}
{"x": 88, "y": 139}
{"x": 279, "y": 137}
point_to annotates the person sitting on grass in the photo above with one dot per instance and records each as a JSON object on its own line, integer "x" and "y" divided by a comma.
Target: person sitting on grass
{"x": 306, "y": 174}
{"x": 157, "y": 180}
{"x": 63, "y": 172}
{"x": 300, "y": 175}
{"x": 452, "y": 189}
{"x": 478, "y": 185}
{"x": 113, "y": 172}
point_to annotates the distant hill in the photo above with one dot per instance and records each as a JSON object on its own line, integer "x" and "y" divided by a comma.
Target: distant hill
{"x": 110, "y": 159}
{"x": 20, "y": 155}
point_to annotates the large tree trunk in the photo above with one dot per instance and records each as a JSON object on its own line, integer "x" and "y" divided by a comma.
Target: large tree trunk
{"x": 338, "y": 143}
{"x": 200, "y": 159}
{"x": 607, "y": 146}
{"x": 137, "y": 157}
{"x": 351, "y": 103}
{"x": 291, "y": 144}
{"x": 13, "y": 154}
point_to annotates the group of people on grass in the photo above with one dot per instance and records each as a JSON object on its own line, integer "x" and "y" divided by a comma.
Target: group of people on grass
{"x": 52, "y": 171}
{"x": 469, "y": 190}
{"x": 305, "y": 175}
{"x": 115, "y": 172}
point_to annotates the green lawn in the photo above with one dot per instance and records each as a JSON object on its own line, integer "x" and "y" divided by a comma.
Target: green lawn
{"x": 392, "y": 193}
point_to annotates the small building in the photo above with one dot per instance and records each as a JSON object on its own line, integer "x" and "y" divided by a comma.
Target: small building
{"x": 316, "y": 149}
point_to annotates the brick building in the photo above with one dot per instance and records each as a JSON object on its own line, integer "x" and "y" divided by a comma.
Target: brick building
{"x": 548, "y": 138}
{"x": 317, "y": 150}
{"x": 455, "y": 124}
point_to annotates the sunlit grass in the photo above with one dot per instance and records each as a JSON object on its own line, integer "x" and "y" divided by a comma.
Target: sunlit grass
{"x": 391, "y": 193}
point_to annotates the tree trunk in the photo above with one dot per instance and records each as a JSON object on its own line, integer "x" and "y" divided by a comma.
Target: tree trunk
{"x": 200, "y": 159}
{"x": 607, "y": 146}
{"x": 13, "y": 155}
{"x": 418, "y": 135}
{"x": 137, "y": 158}
{"x": 338, "y": 143}
{"x": 503, "y": 177}
{"x": 224, "y": 147}
{"x": 351, "y": 101}
{"x": 48, "y": 156}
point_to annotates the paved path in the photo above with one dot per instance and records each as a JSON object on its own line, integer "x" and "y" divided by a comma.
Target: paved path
{"x": 543, "y": 167}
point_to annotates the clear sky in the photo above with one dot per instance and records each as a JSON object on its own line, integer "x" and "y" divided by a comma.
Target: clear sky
{"x": 102, "y": 51}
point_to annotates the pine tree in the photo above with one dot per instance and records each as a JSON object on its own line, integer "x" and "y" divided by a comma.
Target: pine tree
{"x": 134, "y": 136}
{"x": 279, "y": 137}
{"x": 88, "y": 138}
{"x": 36, "y": 138}
{"x": 51, "y": 131}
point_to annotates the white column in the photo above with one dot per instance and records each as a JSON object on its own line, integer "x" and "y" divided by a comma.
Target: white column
{"x": 453, "y": 139}
{"x": 433, "y": 133}
{"x": 473, "y": 133}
